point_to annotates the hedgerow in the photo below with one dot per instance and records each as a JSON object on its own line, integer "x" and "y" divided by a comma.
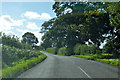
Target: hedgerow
{"x": 62, "y": 51}
{"x": 22, "y": 66}
{"x": 12, "y": 54}
{"x": 52, "y": 50}
{"x": 15, "y": 61}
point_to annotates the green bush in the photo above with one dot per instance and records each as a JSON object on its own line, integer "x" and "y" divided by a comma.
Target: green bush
{"x": 107, "y": 56}
{"x": 12, "y": 54}
{"x": 52, "y": 50}
{"x": 62, "y": 51}
{"x": 81, "y": 49}
{"x": 13, "y": 41}
{"x": 77, "y": 49}
{"x": 22, "y": 66}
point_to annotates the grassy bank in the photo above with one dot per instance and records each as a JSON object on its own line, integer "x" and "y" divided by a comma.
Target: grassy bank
{"x": 106, "y": 58}
{"x": 22, "y": 66}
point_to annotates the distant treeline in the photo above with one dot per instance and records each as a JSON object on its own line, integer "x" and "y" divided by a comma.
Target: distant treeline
{"x": 14, "y": 41}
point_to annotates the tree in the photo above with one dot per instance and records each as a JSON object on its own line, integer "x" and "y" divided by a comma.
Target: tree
{"x": 60, "y": 7}
{"x": 30, "y": 38}
{"x": 92, "y": 21}
{"x": 47, "y": 25}
{"x": 70, "y": 29}
{"x": 114, "y": 37}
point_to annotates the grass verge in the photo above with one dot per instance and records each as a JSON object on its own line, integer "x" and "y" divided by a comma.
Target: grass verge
{"x": 22, "y": 66}
{"x": 106, "y": 58}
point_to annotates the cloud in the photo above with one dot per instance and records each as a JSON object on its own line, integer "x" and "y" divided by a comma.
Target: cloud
{"x": 7, "y": 23}
{"x": 35, "y": 15}
{"x": 32, "y": 15}
{"x": 32, "y": 26}
{"x": 11, "y": 33}
{"x": 10, "y": 26}
{"x": 45, "y": 16}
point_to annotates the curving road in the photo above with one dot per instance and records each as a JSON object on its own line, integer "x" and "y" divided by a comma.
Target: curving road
{"x": 70, "y": 67}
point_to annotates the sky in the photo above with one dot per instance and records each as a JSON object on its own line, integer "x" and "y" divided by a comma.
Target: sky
{"x": 18, "y": 18}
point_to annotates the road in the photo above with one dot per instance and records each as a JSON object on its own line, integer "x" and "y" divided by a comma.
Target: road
{"x": 70, "y": 67}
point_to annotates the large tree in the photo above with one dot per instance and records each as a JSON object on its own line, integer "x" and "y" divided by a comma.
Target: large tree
{"x": 114, "y": 37}
{"x": 93, "y": 23}
{"x": 30, "y": 38}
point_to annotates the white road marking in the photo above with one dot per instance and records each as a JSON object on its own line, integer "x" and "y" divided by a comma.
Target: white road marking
{"x": 82, "y": 70}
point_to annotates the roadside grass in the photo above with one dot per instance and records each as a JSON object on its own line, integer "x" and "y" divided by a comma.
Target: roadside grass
{"x": 114, "y": 62}
{"x": 106, "y": 58}
{"x": 21, "y": 66}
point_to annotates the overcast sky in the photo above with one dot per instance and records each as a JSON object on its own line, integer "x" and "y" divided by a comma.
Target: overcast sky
{"x": 20, "y": 17}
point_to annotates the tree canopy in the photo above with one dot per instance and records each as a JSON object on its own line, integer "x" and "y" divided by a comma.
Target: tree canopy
{"x": 30, "y": 38}
{"x": 88, "y": 22}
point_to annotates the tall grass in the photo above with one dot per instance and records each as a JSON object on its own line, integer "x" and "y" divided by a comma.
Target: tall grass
{"x": 22, "y": 66}
{"x": 12, "y": 54}
{"x": 15, "y": 61}
{"x": 106, "y": 58}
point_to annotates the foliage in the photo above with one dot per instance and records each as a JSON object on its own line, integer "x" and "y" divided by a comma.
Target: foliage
{"x": 22, "y": 66}
{"x": 85, "y": 49}
{"x": 96, "y": 56}
{"x": 14, "y": 41}
{"x": 113, "y": 39}
{"x": 87, "y": 21}
{"x": 30, "y": 38}
{"x": 106, "y": 58}
{"x": 52, "y": 50}
{"x": 16, "y": 61}
{"x": 70, "y": 29}
{"x": 61, "y": 7}
{"x": 10, "y": 55}
{"x": 62, "y": 51}
{"x": 114, "y": 62}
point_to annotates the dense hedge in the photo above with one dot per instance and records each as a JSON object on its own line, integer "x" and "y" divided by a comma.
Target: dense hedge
{"x": 78, "y": 49}
{"x": 22, "y": 66}
{"x": 12, "y": 54}
{"x": 52, "y": 50}
{"x": 16, "y": 61}
{"x": 84, "y": 49}
{"x": 13, "y": 41}
{"x": 62, "y": 51}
